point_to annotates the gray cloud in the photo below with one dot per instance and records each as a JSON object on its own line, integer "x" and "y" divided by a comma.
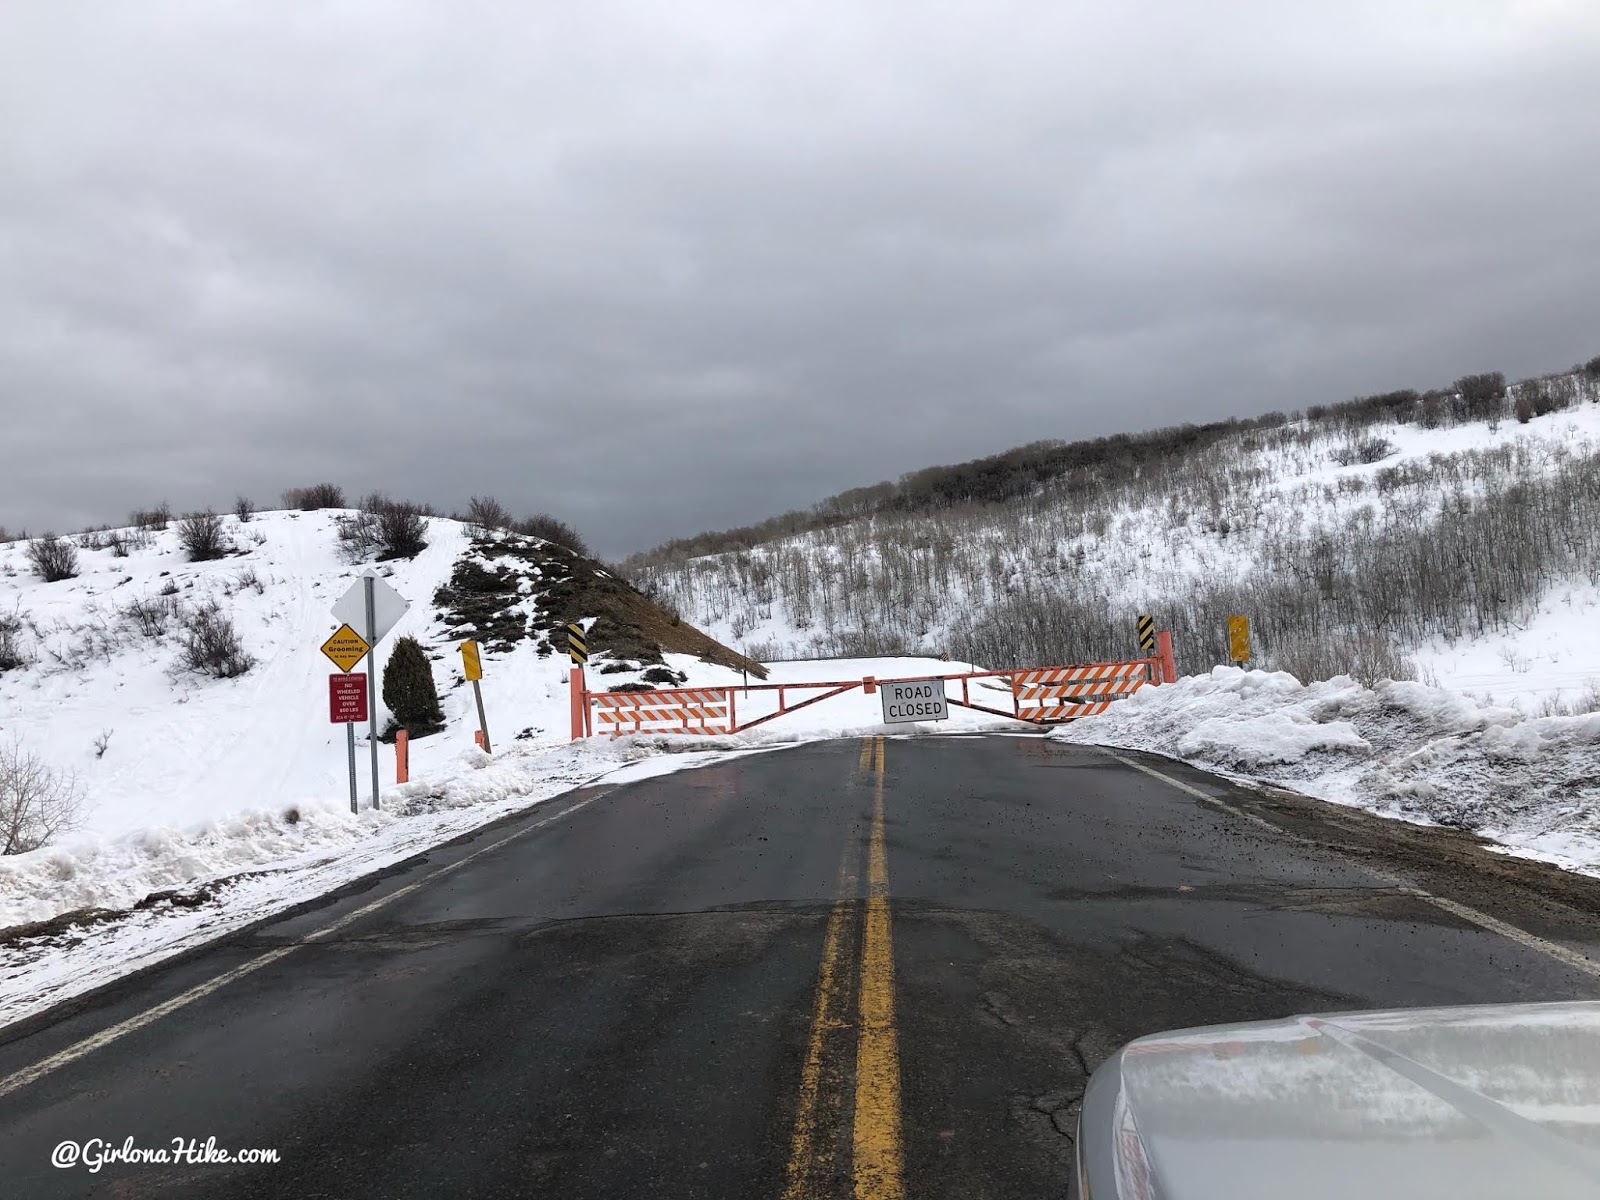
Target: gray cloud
{"x": 658, "y": 268}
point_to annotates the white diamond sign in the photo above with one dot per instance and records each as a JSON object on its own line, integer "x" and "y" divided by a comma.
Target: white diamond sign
{"x": 388, "y": 606}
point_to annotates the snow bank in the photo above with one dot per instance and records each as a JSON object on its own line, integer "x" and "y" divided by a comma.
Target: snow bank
{"x": 1405, "y": 750}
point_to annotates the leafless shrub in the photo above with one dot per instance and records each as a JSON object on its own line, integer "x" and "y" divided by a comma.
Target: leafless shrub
{"x": 1541, "y": 397}
{"x": 203, "y": 536}
{"x": 1367, "y": 450}
{"x": 249, "y": 578}
{"x": 245, "y": 509}
{"x": 317, "y": 496}
{"x": 36, "y": 802}
{"x": 154, "y": 520}
{"x": 487, "y": 513}
{"x": 151, "y": 615}
{"x": 552, "y": 529}
{"x": 12, "y": 654}
{"x": 53, "y": 558}
{"x": 1482, "y": 396}
{"x": 211, "y": 644}
{"x": 403, "y": 529}
{"x": 384, "y": 529}
{"x": 93, "y": 539}
{"x": 1367, "y": 657}
{"x": 358, "y": 534}
{"x": 103, "y": 743}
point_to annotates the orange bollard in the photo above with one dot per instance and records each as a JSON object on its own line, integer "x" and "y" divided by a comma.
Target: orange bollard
{"x": 402, "y": 756}
{"x": 580, "y": 703}
{"x": 1169, "y": 664}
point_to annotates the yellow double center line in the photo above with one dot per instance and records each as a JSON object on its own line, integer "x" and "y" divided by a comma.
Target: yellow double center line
{"x": 876, "y": 1159}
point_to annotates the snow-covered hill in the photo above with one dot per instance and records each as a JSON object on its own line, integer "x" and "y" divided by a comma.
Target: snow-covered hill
{"x": 185, "y": 776}
{"x": 1451, "y": 547}
{"x": 212, "y": 802}
{"x": 174, "y": 740}
{"x": 1466, "y": 554}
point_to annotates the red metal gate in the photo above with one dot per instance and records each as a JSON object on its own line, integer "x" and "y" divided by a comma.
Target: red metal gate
{"x": 1037, "y": 695}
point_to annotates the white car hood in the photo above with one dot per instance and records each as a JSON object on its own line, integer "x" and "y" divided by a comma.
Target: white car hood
{"x": 1428, "y": 1104}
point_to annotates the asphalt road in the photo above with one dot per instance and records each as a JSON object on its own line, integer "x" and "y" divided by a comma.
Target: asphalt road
{"x": 877, "y": 968}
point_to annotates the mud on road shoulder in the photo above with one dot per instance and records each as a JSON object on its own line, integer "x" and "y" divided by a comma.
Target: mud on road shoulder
{"x": 1539, "y": 897}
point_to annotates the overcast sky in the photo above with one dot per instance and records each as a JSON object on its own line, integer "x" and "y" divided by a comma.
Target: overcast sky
{"x": 658, "y": 268}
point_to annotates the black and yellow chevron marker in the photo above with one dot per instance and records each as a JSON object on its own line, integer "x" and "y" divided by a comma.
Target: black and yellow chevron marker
{"x": 577, "y": 646}
{"x": 1147, "y": 633}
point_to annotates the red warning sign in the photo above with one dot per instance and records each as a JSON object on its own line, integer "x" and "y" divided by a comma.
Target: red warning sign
{"x": 347, "y": 697}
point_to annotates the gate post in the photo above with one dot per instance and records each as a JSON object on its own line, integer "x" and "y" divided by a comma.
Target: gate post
{"x": 1169, "y": 665}
{"x": 580, "y": 701}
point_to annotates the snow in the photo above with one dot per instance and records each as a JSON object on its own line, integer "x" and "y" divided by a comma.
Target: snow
{"x": 218, "y": 802}
{"x": 1404, "y": 750}
{"x": 812, "y": 591}
{"x": 177, "y": 741}
{"x": 1553, "y": 659}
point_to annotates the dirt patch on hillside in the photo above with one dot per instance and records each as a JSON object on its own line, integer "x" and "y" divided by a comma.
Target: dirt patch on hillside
{"x": 509, "y": 588}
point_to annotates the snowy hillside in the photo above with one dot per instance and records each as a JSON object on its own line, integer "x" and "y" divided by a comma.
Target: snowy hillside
{"x": 1422, "y": 576}
{"x": 210, "y": 802}
{"x": 186, "y": 776}
{"x": 175, "y": 739}
{"x": 1465, "y": 553}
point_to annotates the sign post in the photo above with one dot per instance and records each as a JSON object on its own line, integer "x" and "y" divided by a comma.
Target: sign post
{"x": 347, "y": 704}
{"x": 1239, "y": 639}
{"x": 367, "y": 582}
{"x": 374, "y": 607}
{"x": 472, "y": 666}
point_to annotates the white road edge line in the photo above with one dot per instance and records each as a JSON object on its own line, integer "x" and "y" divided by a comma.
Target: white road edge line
{"x": 105, "y": 1037}
{"x": 1214, "y": 801}
{"x": 1562, "y": 954}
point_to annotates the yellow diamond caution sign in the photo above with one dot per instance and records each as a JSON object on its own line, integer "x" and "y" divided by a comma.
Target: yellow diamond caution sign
{"x": 471, "y": 662}
{"x": 346, "y": 647}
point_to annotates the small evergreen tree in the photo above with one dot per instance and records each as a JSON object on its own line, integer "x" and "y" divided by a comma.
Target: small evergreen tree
{"x": 409, "y": 692}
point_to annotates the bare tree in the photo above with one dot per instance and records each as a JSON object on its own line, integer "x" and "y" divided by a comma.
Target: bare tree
{"x": 552, "y": 529}
{"x": 152, "y": 520}
{"x": 36, "y": 802}
{"x": 12, "y": 653}
{"x": 487, "y": 513}
{"x": 53, "y": 558}
{"x": 203, "y": 536}
{"x": 244, "y": 508}
{"x": 391, "y": 528}
{"x": 211, "y": 644}
{"x": 317, "y": 496}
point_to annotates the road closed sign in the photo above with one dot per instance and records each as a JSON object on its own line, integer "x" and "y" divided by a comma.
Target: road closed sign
{"x": 913, "y": 700}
